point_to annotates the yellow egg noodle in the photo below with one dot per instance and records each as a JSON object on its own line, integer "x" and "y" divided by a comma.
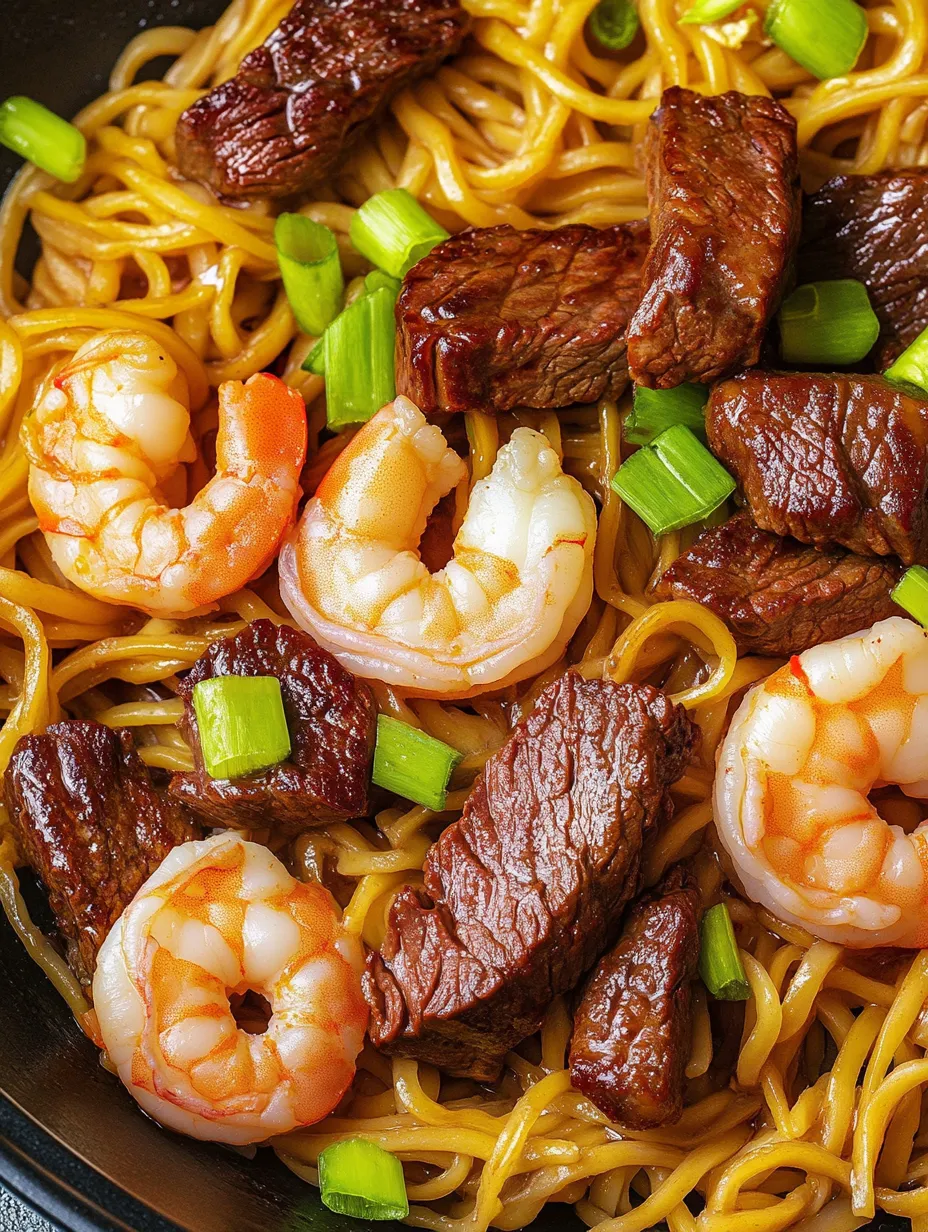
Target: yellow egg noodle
{"x": 822, "y": 1123}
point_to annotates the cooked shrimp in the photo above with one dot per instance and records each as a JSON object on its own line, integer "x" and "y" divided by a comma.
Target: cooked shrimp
{"x": 107, "y": 437}
{"x": 791, "y": 796}
{"x": 218, "y": 918}
{"x": 502, "y": 609}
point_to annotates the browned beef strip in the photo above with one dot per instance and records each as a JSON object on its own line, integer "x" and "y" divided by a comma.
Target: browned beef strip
{"x": 874, "y": 228}
{"x": 779, "y": 596}
{"x": 91, "y": 824}
{"x": 297, "y": 104}
{"x": 526, "y": 890}
{"x": 633, "y": 1027}
{"x": 723, "y": 183}
{"x": 332, "y": 721}
{"x": 827, "y": 458}
{"x": 499, "y": 318}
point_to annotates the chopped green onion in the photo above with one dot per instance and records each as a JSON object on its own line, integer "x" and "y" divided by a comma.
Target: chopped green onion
{"x": 614, "y": 23}
{"x": 393, "y": 231}
{"x": 43, "y": 138}
{"x": 912, "y": 365}
{"x": 242, "y": 724}
{"x": 824, "y": 36}
{"x": 307, "y": 254}
{"x": 828, "y": 323}
{"x": 911, "y": 593}
{"x": 377, "y": 280}
{"x": 412, "y": 764}
{"x": 704, "y": 12}
{"x": 719, "y": 961}
{"x": 655, "y": 410}
{"x": 361, "y": 1179}
{"x": 315, "y": 360}
{"x": 673, "y": 482}
{"x": 358, "y": 359}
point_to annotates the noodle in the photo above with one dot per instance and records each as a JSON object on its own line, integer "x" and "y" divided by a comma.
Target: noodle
{"x": 529, "y": 126}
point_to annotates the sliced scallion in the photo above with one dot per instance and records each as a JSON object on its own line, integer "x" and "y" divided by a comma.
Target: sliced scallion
{"x": 361, "y": 1179}
{"x": 912, "y": 365}
{"x": 315, "y": 360}
{"x": 704, "y": 12}
{"x": 393, "y": 231}
{"x": 307, "y": 254}
{"x": 828, "y": 323}
{"x": 241, "y": 723}
{"x": 824, "y": 36}
{"x": 655, "y": 410}
{"x": 911, "y": 593}
{"x": 358, "y": 359}
{"x": 614, "y": 23}
{"x": 720, "y": 963}
{"x": 377, "y": 280}
{"x": 673, "y": 482}
{"x": 43, "y": 138}
{"x": 412, "y": 763}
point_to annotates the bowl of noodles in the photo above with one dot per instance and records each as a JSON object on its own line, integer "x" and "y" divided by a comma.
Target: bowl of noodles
{"x": 563, "y": 662}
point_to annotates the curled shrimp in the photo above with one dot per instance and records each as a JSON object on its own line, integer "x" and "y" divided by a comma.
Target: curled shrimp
{"x": 503, "y": 608}
{"x": 217, "y": 918}
{"x": 106, "y": 438}
{"x": 794, "y": 772}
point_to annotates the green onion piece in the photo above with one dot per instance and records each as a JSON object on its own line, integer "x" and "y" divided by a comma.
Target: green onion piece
{"x": 703, "y": 12}
{"x": 242, "y": 724}
{"x": 673, "y": 482}
{"x": 361, "y": 1179}
{"x": 655, "y": 410}
{"x": 412, "y": 764}
{"x": 307, "y": 254}
{"x": 393, "y": 231}
{"x": 614, "y": 23}
{"x": 377, "y": 280}
{"x": 912, "y": 365}
{"x": 911, "y": 593}
{"x": 719, "y": 961}
{"x": 824, "y": 36}
{"x": 828, "y": 323}
{"x": 43, "y": 138}
{"x": 358, "y": 359}
{"x": 315, "y": 360}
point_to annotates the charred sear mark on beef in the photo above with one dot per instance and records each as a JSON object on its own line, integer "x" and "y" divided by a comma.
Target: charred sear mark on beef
{"x": 499, "y": 318}
{"x": 779, "y": 596}
{"x": 633, "y": 1027}
{"x": 91, "y": 823}
{"x": 285, "y": 121}
{"x": 526, "y": 890}
{"x": 874, "y": 228}
{"x": 332, "y": 720}
{"x": 723, "y": 184}
{"x": 827, "y": 458}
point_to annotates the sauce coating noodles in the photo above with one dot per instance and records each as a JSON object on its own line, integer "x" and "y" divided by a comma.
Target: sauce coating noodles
{"x": 531, "y": 127}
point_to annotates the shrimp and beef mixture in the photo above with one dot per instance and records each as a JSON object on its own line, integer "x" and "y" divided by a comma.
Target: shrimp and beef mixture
{"x": 472, "y": 693}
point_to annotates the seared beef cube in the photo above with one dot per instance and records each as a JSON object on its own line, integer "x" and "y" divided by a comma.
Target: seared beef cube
{"x": 286, "y": 120}
{"x": 332, "y": 720}
{"x": 723, "y": 183}
{"x": 874, "y": 228}
{"x": 499, "y": 318}
{"x": 93, "y": 826}
{"x": 633, "y": 1027}
{"x": 779, "y": 596}
{"x": 827, "y": 458}
{"x": 526, "y": 890}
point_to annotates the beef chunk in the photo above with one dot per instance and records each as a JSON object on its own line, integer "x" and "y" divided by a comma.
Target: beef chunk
{"x": 297, "y": 104}
{"x": 633, "y": 1027}
{"x": 779, "y": 596}
{"x": 827, "y": 458}
{"x": 874, "y": 228}
{"x": 332, "y": 721}
{"x": 723, "y": 183}
{"x": 499, "y": 318}
{"x": 91, "y": 824}
{"x": 526, "y": 890}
